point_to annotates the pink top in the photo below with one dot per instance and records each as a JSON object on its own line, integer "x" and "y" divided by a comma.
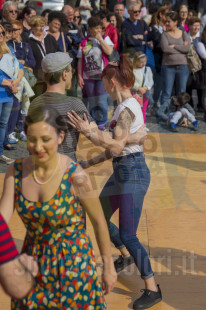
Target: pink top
{"x": 186, "y": 27}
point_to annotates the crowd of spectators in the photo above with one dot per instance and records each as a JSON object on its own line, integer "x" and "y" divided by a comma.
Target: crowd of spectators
{"x": 157, "y": 35}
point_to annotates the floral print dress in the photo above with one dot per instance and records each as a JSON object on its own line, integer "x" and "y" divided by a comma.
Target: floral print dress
{"x": 56, "y": 237}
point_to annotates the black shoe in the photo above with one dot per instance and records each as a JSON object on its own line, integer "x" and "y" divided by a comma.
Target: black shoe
{"x": 9, "y": 147}
{"x": 122, "y": 262}
{"x": 148, "y": 299}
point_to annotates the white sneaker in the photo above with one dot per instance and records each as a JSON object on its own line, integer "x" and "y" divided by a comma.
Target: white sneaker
{"x": 12, "y": 138}
{"x": 22, "y": 136}
{"x": 6, "y": 160}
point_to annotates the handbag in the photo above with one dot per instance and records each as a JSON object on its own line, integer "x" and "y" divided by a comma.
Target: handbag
{"x": 193, "y": 60}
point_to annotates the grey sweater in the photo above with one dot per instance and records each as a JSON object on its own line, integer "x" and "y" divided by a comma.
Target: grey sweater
{"x": 177, "y": 55}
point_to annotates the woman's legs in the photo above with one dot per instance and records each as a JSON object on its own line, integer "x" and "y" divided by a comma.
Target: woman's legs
{"x": 168, "y": 78}
{"x": 181, "y": 78}
{"x": 13, "y": 116}
{"x": 125, "y": 190}
{"x": 5, "y": 110}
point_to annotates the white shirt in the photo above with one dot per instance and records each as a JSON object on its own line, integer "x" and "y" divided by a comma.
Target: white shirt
{"x": 132, "y": 105}
{"x": 94, "y": 49}
{"x": 200, "y": 48}
{"x": 143, "y": 78}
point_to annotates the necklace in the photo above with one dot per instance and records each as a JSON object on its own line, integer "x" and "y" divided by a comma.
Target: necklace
{"x": 51, "y": 176}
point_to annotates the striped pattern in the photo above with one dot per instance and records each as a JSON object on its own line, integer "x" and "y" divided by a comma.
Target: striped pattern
{"x": 8, "y": 249}
{"x": 64, "y": 104}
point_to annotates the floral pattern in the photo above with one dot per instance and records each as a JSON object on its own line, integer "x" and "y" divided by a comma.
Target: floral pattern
{"x": 67, "y": 277}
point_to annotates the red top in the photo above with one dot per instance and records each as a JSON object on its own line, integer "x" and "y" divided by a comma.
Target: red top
{"x": 112, "y": 32}
{"x": 8, "y": 250}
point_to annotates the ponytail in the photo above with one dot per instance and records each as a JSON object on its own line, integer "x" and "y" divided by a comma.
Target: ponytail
{"x": 122, "y": 71}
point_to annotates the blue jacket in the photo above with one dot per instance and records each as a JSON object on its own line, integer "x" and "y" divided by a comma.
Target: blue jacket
{"x": 129, "y": 29}
{"x": 23, "y": 51}
{"x": 5, "y": 92}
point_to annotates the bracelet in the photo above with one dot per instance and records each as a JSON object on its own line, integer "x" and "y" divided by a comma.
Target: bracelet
{"x": 91, "y": 134}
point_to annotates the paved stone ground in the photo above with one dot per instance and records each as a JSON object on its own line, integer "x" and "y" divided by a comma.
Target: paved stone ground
{"x": 151, "y": 123}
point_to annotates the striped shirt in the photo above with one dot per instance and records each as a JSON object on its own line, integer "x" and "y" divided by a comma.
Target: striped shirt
{"x": 63, "y": 104}
{"x": 8, "y": 250}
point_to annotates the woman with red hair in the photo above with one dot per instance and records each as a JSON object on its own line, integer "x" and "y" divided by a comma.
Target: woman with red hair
{"x": 126, "y": 188}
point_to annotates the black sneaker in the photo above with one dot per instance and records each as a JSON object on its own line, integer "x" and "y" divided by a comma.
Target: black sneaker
{"x": 148, "y": 299}
{"x": 121, "y": 262}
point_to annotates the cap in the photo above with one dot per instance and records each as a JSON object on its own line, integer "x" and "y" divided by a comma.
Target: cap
{"x": 54, "y": 62}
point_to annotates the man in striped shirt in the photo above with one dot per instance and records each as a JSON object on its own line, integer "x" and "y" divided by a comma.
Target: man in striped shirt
{"x": 16, "y": 272}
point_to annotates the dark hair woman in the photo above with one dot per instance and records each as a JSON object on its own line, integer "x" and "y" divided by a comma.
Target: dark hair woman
{"x": 57, "y": 20}
{"x": 47, "y": 191}
{"x": 159, "y": 26}
{"x": 175, "y": 45}
{"x": 126, "y": 188}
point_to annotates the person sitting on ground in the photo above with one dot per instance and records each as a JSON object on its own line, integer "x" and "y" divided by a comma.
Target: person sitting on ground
{"x": 177, "y": 111}
{"x": 16, "y": 271}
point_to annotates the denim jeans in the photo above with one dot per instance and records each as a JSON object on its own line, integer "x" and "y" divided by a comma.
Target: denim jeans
{"x": 5, "y": 110}
{"x": 173, "y": 74}
{"x": 125, "y": 190}
{"x": 95, "y": 99}
{"x": 16, "y": 118}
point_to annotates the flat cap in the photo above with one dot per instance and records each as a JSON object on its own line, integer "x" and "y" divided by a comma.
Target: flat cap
{"x": 54, "y": 62}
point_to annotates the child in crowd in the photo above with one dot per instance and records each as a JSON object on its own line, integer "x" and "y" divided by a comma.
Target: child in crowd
{"x": 177, "y": 111}
{"x": 143, "y": 80}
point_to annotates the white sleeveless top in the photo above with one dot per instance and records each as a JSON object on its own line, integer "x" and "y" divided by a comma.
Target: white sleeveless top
{"x": 133, "y": 105}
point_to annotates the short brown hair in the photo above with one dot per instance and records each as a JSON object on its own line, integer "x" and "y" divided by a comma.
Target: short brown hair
{"x": 194, "y": 20}
{"x": 183, "y": 98}
{"x": 18, "y": 23}
{"x": 36, "y": 21}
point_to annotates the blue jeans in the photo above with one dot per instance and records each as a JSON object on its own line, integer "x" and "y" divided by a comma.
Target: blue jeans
{"x": 5, "y": 110}
{"x": 95, "y": 99}
{"x": 125, "y": 190}
{"x": 173, "y": 74}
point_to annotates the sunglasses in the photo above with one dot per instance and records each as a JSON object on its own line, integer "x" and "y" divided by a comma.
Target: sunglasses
{"x": 77, "y": 17}
{"x": 14, "y": 30}
{"x": 13, "y": 11}
{"x": 2, "y": 32}
{"x": 135, "y": 12}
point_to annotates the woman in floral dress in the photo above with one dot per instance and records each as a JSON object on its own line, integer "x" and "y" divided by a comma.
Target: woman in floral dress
{"x": 48, "y": 189}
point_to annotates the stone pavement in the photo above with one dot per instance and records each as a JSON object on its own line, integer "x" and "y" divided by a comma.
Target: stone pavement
{"x": 151, "y": 123}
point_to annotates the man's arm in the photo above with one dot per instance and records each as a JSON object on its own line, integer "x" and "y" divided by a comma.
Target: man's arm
{"x": 16, "y": 273}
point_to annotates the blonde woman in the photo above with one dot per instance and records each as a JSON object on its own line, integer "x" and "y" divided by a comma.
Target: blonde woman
{"x": 42, "y": 43}
{"x": 8, "y": 87}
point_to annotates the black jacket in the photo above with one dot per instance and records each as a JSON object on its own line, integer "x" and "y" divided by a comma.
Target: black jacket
{"x": 51, "y": 46}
